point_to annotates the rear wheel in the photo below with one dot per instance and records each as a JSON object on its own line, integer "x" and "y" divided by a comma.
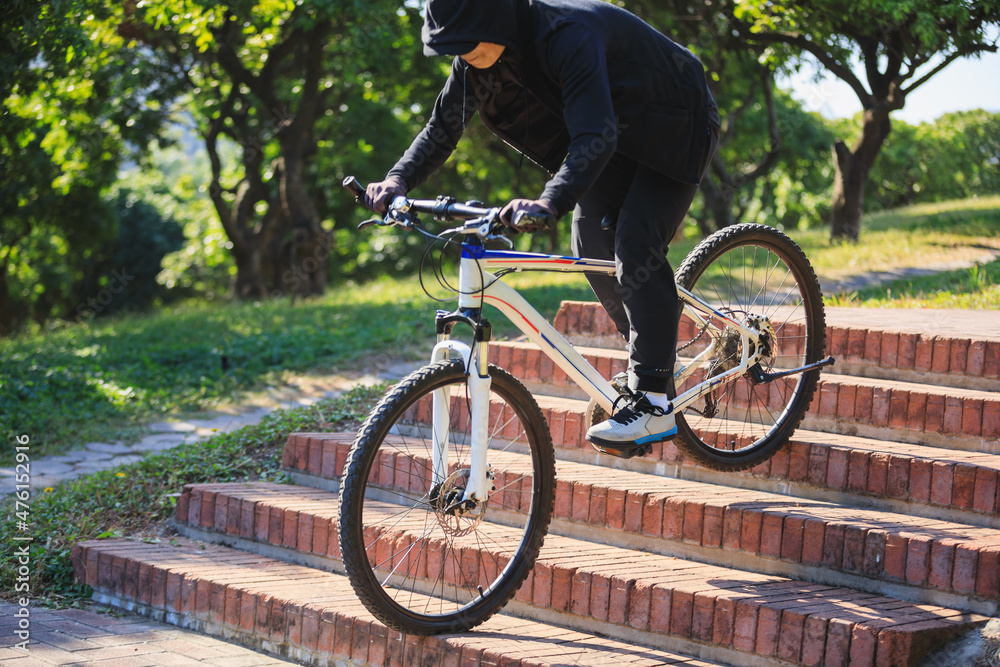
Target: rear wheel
{"x": 420, "y": 560}
{"x": 759, "y": 277}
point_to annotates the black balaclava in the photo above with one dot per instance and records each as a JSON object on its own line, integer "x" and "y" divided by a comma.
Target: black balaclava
{"x": 456, "y": 27}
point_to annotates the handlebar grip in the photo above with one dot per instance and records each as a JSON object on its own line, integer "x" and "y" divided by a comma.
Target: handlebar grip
{"x": 355, "y": 188}
{"x": 528, "y": 222}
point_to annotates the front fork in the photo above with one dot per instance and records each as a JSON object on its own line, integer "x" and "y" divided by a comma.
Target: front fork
{"x": 478, "y": 380}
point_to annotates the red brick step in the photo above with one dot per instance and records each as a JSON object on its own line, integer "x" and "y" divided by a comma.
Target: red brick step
{"x": 932, "y": 482}
{"x": 952, "y": 347}
{"x": 742, "y": 612}
{"x": 314, "y": 616}
{"x": 919, "y": 413}
{"x": 918, "y": 557}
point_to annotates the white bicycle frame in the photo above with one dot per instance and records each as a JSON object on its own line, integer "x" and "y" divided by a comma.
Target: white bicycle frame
{"x": 479, "y": 286}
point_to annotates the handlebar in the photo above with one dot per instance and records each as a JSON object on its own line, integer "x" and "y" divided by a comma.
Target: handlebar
{"x": 480, "y": 221}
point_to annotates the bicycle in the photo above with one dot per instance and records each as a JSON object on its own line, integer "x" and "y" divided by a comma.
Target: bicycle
{"x": 448, "y": 489}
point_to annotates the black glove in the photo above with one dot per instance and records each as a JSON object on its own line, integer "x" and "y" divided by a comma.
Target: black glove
{"x": 527, "y": 215}
{"x": 379, "y": 195}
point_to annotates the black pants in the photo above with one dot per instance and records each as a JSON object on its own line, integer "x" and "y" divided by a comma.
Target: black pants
{"x": 642, "y": 301}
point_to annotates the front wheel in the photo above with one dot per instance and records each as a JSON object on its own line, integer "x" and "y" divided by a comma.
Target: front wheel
{"x": 421, "y": 560}
{"x": 759, "y": 277}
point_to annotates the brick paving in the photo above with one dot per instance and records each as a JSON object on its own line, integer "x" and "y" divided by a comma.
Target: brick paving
{"x": 92, "y": 638}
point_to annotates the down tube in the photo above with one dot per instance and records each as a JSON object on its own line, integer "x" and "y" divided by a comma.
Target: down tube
{"x": 506, "y": 299}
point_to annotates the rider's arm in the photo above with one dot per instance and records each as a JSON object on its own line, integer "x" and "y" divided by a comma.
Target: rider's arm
{"x": 438, "y": 139}
{"x": 577, "y": 62}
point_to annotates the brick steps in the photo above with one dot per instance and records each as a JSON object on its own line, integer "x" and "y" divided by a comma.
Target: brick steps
{"x": 931, "y": 482}
{"x": 739, "y": 611}
{"x": 870, "y": 539}
{"x": 314, "y": 617}
{"x": 819, "y": 463}
{"x": 945, "y": 417}
{"x": 918, "y": 558}
{"x": 954, "y": 348}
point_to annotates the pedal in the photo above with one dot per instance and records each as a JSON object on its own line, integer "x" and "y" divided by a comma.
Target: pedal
{"x": 641, "y": 450}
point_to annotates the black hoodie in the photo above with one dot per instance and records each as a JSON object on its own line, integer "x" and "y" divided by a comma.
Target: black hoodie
{"x": 578, "y": 81}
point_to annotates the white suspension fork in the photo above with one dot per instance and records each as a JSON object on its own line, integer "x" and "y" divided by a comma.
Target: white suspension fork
{"x": 479, "y": 382}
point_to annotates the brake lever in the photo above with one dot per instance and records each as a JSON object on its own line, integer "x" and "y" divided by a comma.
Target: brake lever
{"x": 500, "y": 237}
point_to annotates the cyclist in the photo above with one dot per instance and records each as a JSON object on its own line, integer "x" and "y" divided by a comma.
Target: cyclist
{"x": 622, "y": 117}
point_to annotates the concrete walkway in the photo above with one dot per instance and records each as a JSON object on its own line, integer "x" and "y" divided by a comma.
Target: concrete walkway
{"x": 96, "y": 456}
{"x": 872, "y": 278}
{"x": 86, "y": 637}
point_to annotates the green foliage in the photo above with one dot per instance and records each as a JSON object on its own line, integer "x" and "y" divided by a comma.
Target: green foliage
{"x": 845, "y": 28}
{"x": 955, "y": 156}
{"x": 77, "y": 99}
{"x": 795, "y": 195}
{"x": 137, "y": 499}
{"x": 125, "y": 276}
{"x": 176, "y": 182}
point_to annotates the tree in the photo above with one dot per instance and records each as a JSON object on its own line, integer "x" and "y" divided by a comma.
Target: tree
{"x": 273, "y": 76}
{"x": 900, "y": 46}
{"x": 749, "y": 141}
{"x": 77, "y": 100}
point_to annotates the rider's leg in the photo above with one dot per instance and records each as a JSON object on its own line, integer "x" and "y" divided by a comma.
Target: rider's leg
{"x": 652, "y": 213}
{"x": 604, "y": 200}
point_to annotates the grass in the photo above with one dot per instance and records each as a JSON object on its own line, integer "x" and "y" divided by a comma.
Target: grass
{"x": 136, "y": 499}
{"x": 976, "y": 288}
{"x": 919, "y": 236}
{"x": 922, "y": 236}
{"x": 102, "y": 381}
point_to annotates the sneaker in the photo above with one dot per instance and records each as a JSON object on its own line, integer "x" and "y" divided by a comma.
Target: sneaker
{"x": 636, "y": 425}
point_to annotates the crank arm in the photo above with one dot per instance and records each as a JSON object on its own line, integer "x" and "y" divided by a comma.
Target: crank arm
{"x": 760, "y": 377}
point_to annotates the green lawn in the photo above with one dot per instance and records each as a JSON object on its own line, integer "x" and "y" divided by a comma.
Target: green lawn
{"x": 916, "y": 236}
{"x": 82, "y": 383}
{"x": 922, "y": 236}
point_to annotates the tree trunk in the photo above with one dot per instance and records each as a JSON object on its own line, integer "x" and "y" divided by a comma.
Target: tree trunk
{"x": 852, "y": 167}
{"x": 307, "y": 246}
{"x": 8, "y": 319}
{"x": 718, "y": 201}
{"x": 250, "y": 281}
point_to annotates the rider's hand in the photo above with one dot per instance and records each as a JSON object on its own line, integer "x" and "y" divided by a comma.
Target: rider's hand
{"x": 537, "y": 207}
{"x": 379, "y": 195}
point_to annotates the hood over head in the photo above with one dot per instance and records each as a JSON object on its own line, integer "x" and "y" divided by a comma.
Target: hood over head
{"x": 456, "y": 27}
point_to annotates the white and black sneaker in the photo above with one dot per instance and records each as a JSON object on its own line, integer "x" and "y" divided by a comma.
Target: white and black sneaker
{"x": 634, "y": 427}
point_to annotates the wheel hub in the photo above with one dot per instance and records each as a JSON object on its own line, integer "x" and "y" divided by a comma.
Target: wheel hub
{"x": 764, "y": 354}
{"x": 456, "y": 516}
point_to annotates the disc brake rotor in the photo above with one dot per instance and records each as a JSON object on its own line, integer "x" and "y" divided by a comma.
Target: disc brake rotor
{"x": 728, "y": 349}
{"x": 456, "y": 517}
